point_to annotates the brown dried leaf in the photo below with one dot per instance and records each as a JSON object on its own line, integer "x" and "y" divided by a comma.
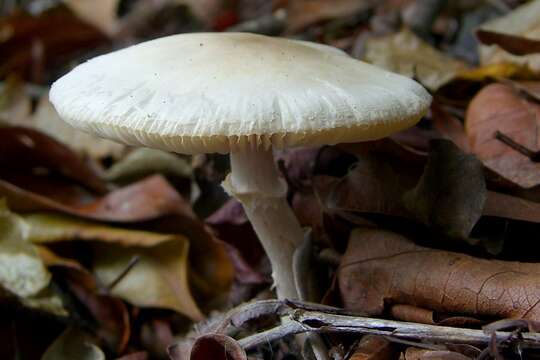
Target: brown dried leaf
{"x": 380, "y": 267}
{"x": 500, "y": 108}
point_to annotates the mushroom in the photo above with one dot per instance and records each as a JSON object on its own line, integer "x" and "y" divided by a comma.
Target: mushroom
{"x": 242, "y": 94}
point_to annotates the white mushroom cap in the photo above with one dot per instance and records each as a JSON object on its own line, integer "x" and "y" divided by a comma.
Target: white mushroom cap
{"x": 222, "y": 92}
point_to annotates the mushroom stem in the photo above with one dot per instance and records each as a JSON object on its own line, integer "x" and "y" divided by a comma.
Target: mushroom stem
{"x": 255, "y": 182}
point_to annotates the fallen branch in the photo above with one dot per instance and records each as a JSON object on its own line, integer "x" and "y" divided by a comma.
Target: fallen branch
{"x": 301, "y": 321}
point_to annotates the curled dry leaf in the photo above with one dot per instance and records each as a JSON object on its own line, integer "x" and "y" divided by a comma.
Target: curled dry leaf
{"x": 159, "y": 279}
{"x": 500, "y": 108}
{"x": 407, "y": 54}
{"x": 73, "y": 344}
{"x": 381, "y": 267}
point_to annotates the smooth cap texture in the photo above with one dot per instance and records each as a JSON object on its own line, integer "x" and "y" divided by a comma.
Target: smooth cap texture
{"x": 221, "y": 92}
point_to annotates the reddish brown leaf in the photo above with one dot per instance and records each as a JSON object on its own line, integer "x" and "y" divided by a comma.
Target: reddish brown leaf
{"x": 500, "y": 108}
{"x": 25, "y": 150}
{"x": 147, "y": 199}
{"x": 380, "y": 267}
{"x": 517, "y": 45}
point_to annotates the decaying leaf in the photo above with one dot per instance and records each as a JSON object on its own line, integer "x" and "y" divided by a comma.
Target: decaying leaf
{"x": 381, "y": 267}
{"x": 407, "y": 54}
{"x": 521, "y": 22}
{"x": 499, "y": 108}
{"x": 73, "y": 344}
{"x": 451, "y": 193}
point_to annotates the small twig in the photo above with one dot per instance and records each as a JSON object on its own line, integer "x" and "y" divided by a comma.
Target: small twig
{"x": 132, "y": 262}
{"x": 534, "y": 156}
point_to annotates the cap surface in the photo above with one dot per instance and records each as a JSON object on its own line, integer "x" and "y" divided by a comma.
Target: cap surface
{"x": 221, "y": 92}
